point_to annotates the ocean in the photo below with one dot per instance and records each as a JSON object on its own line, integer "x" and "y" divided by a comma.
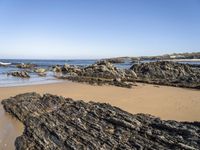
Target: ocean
{"x": 7, "y": 81}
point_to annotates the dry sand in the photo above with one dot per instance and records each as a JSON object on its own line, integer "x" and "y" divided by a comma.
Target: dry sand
{"x": 168, "y": 103}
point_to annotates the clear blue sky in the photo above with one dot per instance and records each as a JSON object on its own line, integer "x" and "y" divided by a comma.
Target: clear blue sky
{"x": 97, "y": 28}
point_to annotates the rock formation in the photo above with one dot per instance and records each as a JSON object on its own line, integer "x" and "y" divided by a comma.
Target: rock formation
{"x": 168, "y": 73}
{"x": 100, "y": 73}
{"x": 21, "y": 74}
{"x": 53, "y": 122}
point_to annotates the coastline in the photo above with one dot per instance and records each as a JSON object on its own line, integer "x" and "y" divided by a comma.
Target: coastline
{"x": 168, "y": 103}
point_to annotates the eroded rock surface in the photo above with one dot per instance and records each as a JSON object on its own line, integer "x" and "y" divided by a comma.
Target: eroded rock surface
{"x": 53, "y": 122}
{"x": 168, "y": 73}
{"x": 20, "y": 74}
{"x": 99, "y": 73}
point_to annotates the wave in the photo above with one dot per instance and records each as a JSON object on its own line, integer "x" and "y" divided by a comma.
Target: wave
{"x": 4, "y": 64}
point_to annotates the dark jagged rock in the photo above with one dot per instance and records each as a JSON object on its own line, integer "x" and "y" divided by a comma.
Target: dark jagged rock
{"x": 53, "y": 122}
{"x": 100, "y": 73}
{"x": 21, "y": 74}
{"x": 168, "y": 73}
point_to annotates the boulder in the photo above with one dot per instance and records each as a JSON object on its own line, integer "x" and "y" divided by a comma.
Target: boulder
{"x": 40, "y": 70}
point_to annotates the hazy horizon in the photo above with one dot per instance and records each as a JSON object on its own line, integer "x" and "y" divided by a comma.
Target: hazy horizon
{"x": 91, "y": 29}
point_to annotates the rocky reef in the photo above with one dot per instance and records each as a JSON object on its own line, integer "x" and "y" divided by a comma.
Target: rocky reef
{"x": 102, "y": 72}
{"x": 53, "y": 122}
{"x": 160, "y": 72}
{"x": 168, "y": 73}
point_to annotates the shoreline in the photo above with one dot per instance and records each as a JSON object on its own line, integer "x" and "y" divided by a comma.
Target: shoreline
{"x": 119, "y": 96}
{"x": 46, "y": 82}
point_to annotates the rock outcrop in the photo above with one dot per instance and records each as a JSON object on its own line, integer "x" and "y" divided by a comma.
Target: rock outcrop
{"x": 20, "y": 74}
{"x": 99, "y": 73}
{"x": 168, "y": 73}
{"x": 53, "y": 122}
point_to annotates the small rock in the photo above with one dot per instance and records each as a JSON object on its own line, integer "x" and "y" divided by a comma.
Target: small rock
{"x": 40, "y": 70}
{"x": 21, "y": 74}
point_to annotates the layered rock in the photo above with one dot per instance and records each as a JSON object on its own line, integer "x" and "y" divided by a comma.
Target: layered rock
{"x": 168, "y": 73}
{"x": 20, "y": 74}
{"x": 99, "y": 73}
{"x": 53, "y": 122}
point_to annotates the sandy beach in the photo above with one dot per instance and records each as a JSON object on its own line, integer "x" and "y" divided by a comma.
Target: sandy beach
{"x": 169, "y": 103}
{"x": 180, "y": 104}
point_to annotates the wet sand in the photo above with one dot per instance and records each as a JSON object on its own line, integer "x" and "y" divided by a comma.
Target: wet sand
{"x": 169, "y": 103}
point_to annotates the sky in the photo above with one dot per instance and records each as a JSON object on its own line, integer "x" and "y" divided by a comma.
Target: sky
{"x": 71, "y": 29}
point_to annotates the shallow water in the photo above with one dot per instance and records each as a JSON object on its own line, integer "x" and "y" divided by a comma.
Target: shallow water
{"x": 7, "y": 81}
{"x": 10, "y": 128}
